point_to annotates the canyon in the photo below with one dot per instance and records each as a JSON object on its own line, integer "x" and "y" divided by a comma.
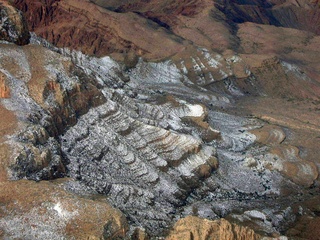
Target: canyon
{"x": 172, "y": 120}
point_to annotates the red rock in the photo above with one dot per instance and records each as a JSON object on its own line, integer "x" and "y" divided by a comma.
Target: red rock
{"x": 4, "y": 89}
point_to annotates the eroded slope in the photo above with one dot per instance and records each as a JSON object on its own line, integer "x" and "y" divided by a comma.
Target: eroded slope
{"x": 162, "y": 140}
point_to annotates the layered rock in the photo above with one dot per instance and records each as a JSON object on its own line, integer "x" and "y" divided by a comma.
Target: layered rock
{"x": 166, "y": 118}
{"x": 154, "y": 155}
{"x": 197, "y": 228}
{"x": 138, "y": 134}
{"x": 144, "y": 169}
{"x": 284, "y": 158}
{"x": 129, "y": 129}
{"x": 42, "y": 210}
{"x": 146, "y": 157}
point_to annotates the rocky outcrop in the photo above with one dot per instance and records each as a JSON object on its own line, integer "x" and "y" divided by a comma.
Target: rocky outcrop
{"x": 57, "y": 92}
{"x": 196, "y": 228}
{"x": 161, "y": 140}
{"x": 113, "y": 141}
{"x": 135, "y": 140}
{"x": 146, "y": 157}
{"x": 47, "y": 210}
{"x": 290, "y": 164}
{"x": 285, "y": 158}
{"x": 13, "y": 26}
{"x": 4, "y": 90}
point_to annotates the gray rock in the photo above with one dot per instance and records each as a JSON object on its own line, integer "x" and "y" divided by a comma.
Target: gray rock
{"x": 13, "y": 27}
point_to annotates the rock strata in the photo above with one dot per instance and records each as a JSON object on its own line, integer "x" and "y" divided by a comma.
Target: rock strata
{"x": 153, "y": 154}
{"x": 145, "y": 157}
{"x": 113, "y": 141}
{"x": 159, "y": 140}
{"x": 196, "y": 228}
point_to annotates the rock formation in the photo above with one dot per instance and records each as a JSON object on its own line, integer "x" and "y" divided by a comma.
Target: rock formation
{"x": 4, "y": 90}
{"x": 143, "y": 156}
{"x": 94, "y": 30}
{"x": 203, "y": 131}
{"x": 153, "y": 154}
{"x": 47, "y": 211}
{"x": 146, "y": 166}
{"x": 13, "y": 27}
{"x": 197, "y": 228}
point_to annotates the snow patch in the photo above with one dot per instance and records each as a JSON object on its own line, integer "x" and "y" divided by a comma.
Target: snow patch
{"x": 63, "y": 213}
{"x": 213, "y": 62}
{"x": 184, "y": 68}
{"x": 195, "y": 110}
{"x": 256, "y": 214}
{"x": 295, "y": 70}
{"x": 155, "y": 73}
{"x": 234, "y": 59}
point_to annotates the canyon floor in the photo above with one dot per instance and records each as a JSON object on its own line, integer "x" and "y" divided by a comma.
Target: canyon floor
{"x": 159, "y": 120}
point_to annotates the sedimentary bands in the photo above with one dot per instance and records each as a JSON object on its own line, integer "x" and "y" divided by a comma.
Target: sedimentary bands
{"x": 184, "y": 132}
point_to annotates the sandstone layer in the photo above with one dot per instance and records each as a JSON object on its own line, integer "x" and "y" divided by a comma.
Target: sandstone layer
{"x": 196, "y": 228}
